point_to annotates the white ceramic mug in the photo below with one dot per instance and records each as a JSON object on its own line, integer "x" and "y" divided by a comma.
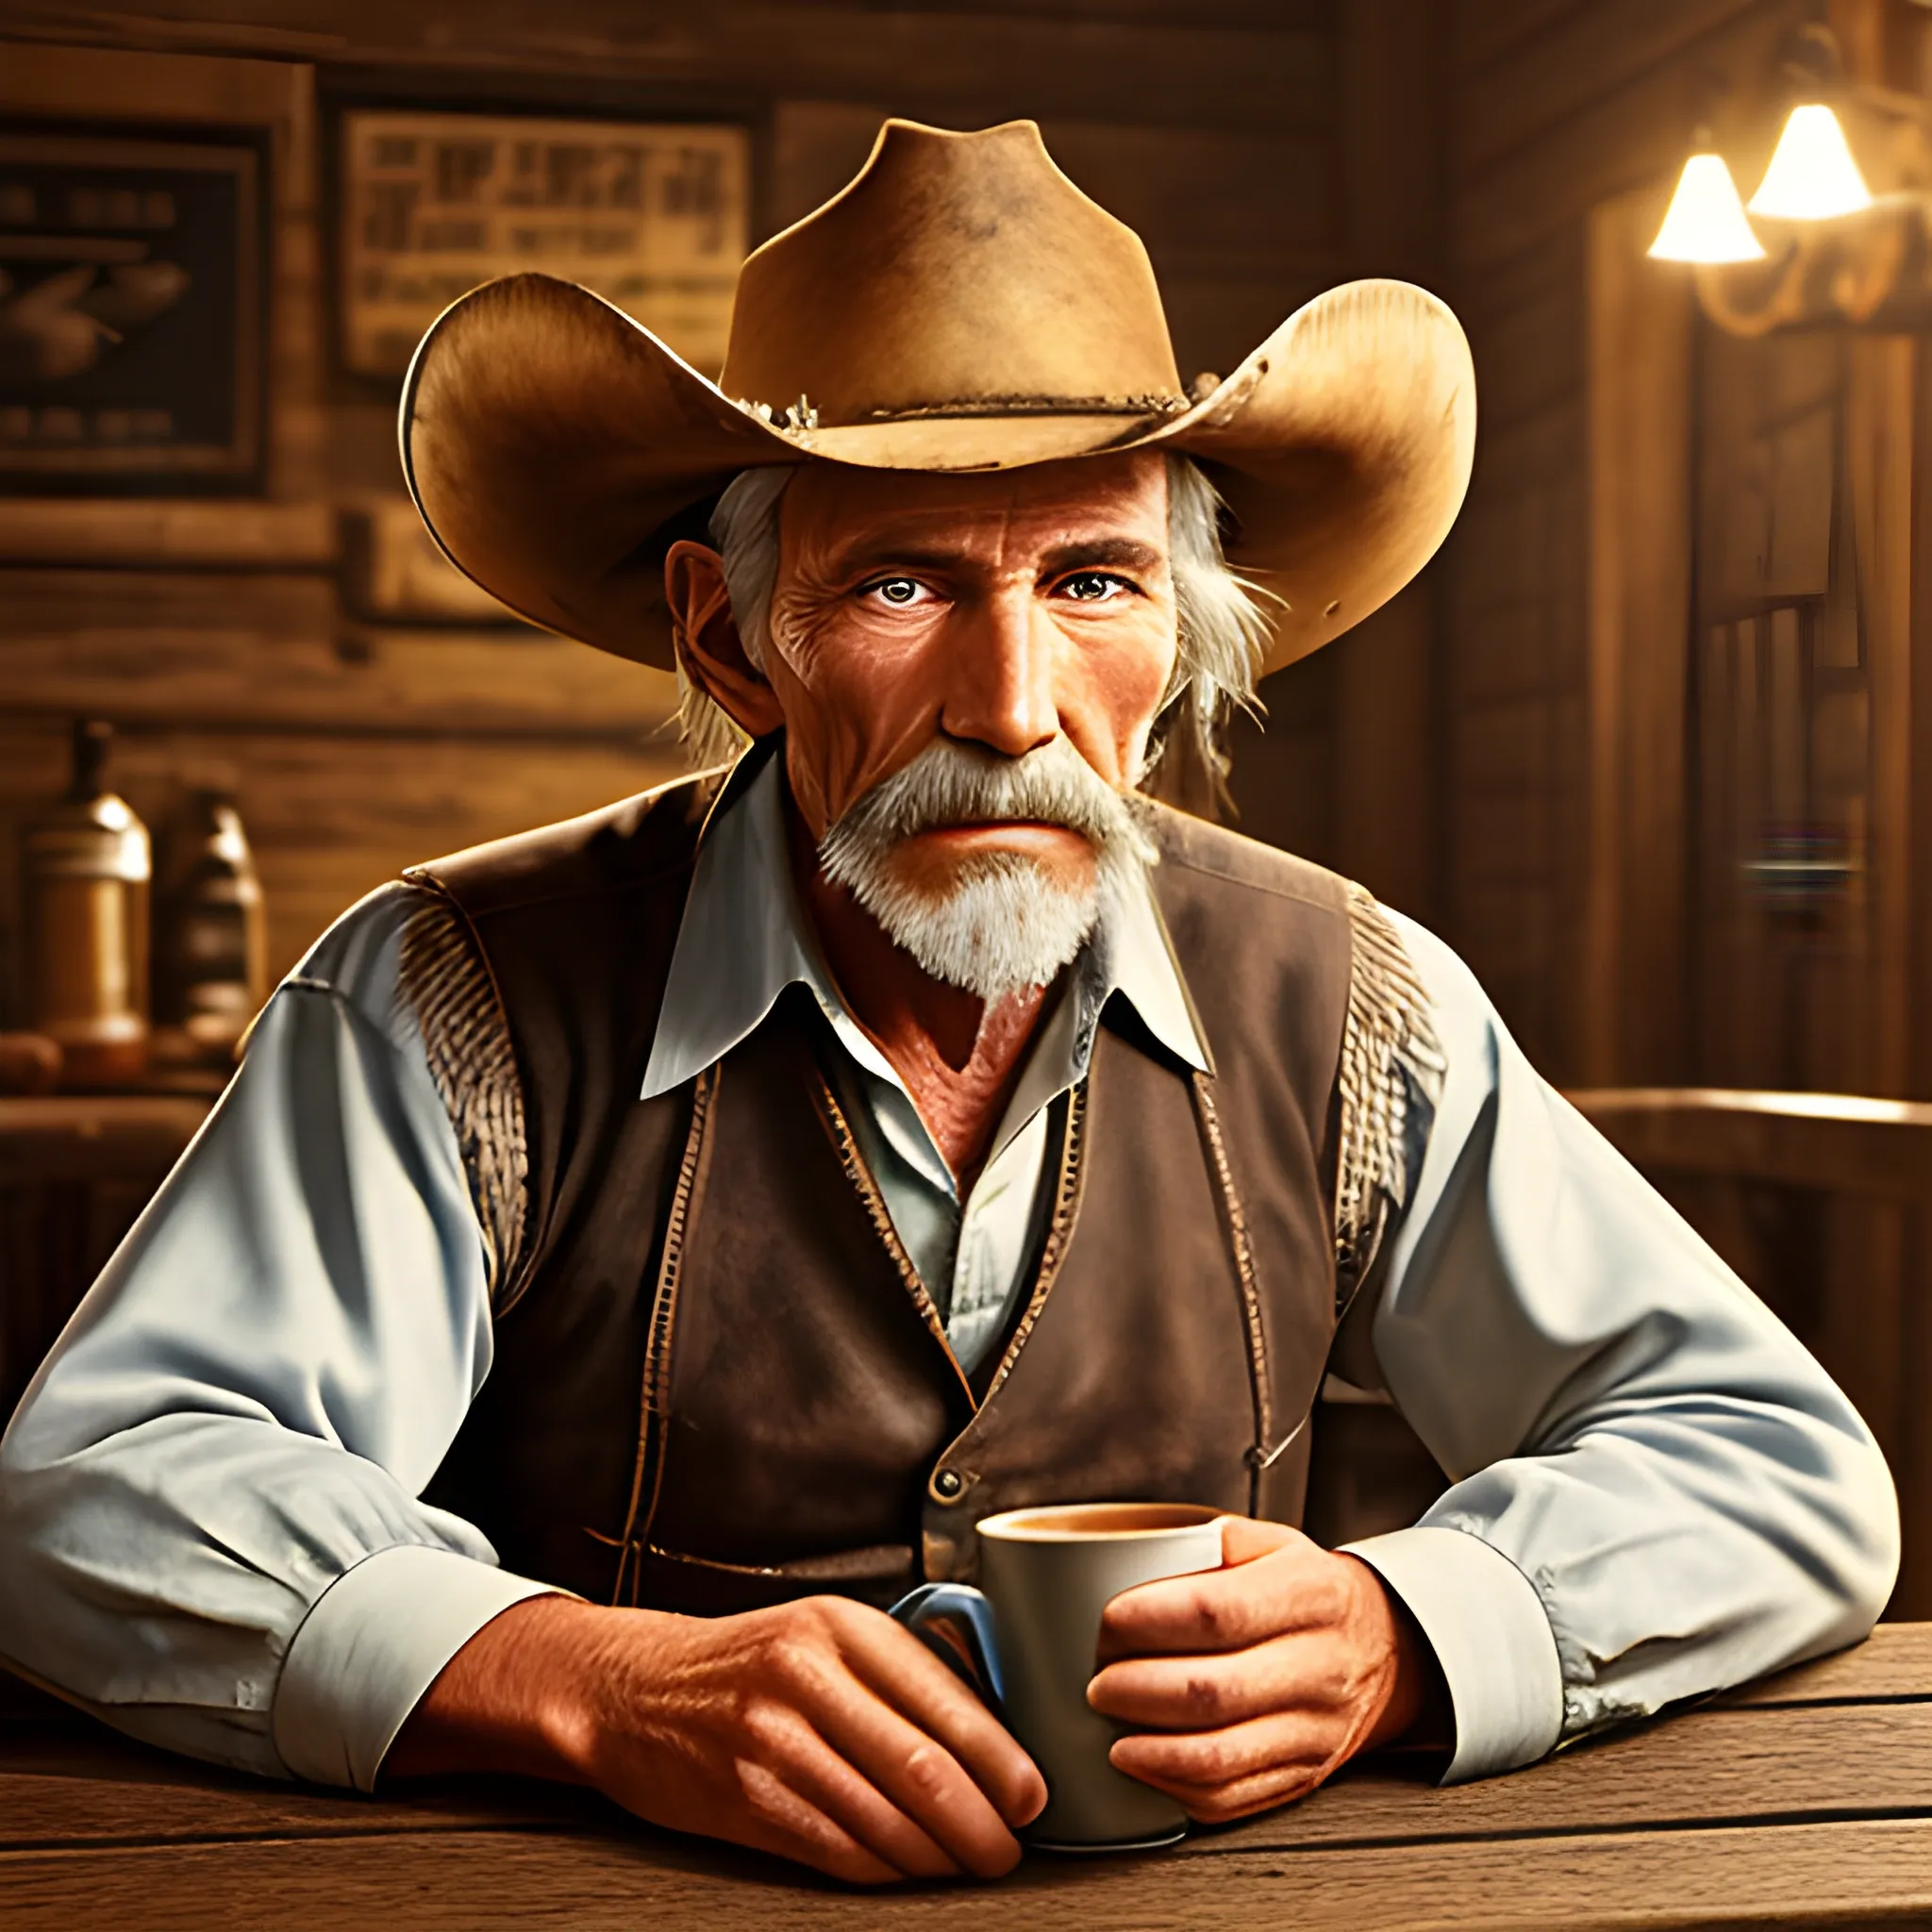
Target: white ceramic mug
{"x": 1048, "y": 1573}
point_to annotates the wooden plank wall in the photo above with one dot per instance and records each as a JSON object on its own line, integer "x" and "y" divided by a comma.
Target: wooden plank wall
{"x": 1264, "y": 148}
{"x": 1502, "y": 753}
{"x": 1561, "y": 105}
{"x": 226, "y": 640}
{"x": 1346, "y": 771}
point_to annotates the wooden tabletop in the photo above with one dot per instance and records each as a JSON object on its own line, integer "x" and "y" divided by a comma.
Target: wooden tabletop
{"x": 1802, "y": 1801}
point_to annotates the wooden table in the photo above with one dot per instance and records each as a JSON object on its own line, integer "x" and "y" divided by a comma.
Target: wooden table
{"x": 1805, "y": 1800}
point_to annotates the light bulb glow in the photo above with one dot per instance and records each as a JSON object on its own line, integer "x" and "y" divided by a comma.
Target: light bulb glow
{"x": 1706, "y": 220}
{"x": 1813, "y": 176}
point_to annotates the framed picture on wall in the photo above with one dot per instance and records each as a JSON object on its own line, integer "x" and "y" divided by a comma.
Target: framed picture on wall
{"x": 132, "y": 312}
{"x": 654, "y": 218}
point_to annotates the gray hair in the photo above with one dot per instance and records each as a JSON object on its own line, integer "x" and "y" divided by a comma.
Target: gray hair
{"x": 1222, "y": 630}
{"x": 745, "y": 526}
{"x": 1223, "y": 634}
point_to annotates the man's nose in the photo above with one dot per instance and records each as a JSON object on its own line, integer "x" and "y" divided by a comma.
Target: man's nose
{"x": 1000, "y": 685}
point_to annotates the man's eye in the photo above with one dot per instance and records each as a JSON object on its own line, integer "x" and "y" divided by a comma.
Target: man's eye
{"x": 898, "y": 592}
{"x": 1095, "y": 587}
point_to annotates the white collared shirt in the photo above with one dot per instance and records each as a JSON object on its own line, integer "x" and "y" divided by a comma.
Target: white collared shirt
{"x": 745, "y": 940}
{"x": 212, "y": 1526}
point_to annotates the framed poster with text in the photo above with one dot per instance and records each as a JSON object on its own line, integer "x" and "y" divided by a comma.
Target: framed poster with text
{"x": 653, "y": 218}
{"x": 132, "y": 313}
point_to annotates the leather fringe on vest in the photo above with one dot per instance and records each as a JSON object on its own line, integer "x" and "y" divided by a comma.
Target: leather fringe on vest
{"x": 1391, "y": 1082}
{"x": 1391, "y": 1078}
{"x": 466, "y": 1042}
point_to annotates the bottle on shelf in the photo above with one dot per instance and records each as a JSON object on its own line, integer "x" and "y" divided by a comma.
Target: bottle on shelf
{"x": 85, "y": 872}
{"x": 213, "y": 965}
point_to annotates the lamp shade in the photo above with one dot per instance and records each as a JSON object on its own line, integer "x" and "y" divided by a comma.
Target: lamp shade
{"x": 1813, "y": 176}
{"x": 1705, "y": 219}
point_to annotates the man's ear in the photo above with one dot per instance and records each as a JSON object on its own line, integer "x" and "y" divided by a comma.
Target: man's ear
{"x": 708, "y": 646}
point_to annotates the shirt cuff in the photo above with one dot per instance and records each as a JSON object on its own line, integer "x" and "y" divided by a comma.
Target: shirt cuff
{"x": 371, "y": 1644}
{"x": 1486, "y": 1625}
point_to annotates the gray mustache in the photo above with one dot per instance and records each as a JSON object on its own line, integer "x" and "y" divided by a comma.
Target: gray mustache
{"x": 953, "y": 784}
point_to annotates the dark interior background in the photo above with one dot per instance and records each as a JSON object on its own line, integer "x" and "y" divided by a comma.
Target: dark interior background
{"x": 1264, "y": 148}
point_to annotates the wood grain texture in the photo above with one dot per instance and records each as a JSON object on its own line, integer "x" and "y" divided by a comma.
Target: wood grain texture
{"x": 1558, "y": 108}
{"x": 1846, "y": 1734}
{"x": 1846, "y": 1143}
{"x": 79, "y": 1137}
{"x": 1843, "y": 1873}
{"x": 1805, "y": 1798}
{"x": 1609, "y": 144}
{"x": 1879, "y": 439}
{"x": 1530, "y": 358}
{"x": 331, "y": 817}
{"x": 272, "y": 652}
{"x": 984, "y": 64}
{"x": 1393, "y": 143}
{"x": 115, "y": 82}
{"x": 70, "y": 1783}
{"x": 391, "y": 569}
{"x": 1640, "y": 522}
{"x": 1202, "y": 198}
{"x": 1589, "y": 54}
{"x": 1707, "y": 1767}
{"x": 233, "y": 536}
{"x": 1494, "y": 29}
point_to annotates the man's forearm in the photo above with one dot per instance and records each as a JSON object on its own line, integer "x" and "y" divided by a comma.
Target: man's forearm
{"x": 1417, "y": 1714}
{"x": 820, "y": 1730}
{"x": 1660, "y": 1491}
{"x": 232, "y": 1446}
{"x": 512, "y": 1698}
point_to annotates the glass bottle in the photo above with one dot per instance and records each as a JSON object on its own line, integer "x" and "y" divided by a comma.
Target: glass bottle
{"x": 214, "y": 932}
{"x": 85, "y": 869}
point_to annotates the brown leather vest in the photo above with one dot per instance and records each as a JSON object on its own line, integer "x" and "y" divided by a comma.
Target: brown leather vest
{"x": 719, "y": 1382}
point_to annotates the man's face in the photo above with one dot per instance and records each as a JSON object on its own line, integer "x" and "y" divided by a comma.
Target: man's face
{"x": 999, "y": 610}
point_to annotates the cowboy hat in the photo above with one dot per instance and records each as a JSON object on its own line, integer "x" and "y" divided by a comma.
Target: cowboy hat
{"x": 959, "y": 306}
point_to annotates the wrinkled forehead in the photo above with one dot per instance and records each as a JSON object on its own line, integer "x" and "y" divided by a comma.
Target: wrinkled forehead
{"x": 832, "y": 512}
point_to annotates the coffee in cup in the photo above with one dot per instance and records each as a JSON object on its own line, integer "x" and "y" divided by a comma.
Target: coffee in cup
{"x": 1047, "y": 1575}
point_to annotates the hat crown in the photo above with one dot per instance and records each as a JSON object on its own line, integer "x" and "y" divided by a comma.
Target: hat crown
{"x": 955, "y": 270}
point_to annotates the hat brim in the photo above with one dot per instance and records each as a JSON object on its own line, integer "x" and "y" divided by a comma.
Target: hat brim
{"x": 551, "y": 443}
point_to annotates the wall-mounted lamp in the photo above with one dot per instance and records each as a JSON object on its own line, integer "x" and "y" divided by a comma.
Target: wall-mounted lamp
{"x": 1813, "y": 176}
{"x": 1835, "y": 254}
{"x": 1706, "y": 221}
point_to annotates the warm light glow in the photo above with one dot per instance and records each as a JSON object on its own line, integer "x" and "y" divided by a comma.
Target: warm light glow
{"x": 1706, "y": 221}
{"x": 1813, "y": 176}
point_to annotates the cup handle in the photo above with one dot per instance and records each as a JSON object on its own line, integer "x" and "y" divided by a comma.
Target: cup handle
{"x": 956, "y": 1622}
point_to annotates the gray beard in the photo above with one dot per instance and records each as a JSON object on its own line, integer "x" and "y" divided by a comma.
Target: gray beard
{"x": 1007, "y": 923}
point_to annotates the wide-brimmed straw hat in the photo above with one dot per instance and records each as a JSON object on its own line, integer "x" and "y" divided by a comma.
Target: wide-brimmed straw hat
{"x": 961, "y": 305}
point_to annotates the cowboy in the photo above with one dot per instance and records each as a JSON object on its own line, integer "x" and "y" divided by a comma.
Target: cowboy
{"x": 635, "y": 1253}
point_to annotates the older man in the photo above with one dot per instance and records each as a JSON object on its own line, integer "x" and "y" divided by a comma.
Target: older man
{"x": 635, "y": 1253}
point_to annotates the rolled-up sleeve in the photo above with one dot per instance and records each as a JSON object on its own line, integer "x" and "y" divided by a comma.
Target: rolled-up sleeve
{"x": 1679, "y": 1496}
{"x": 203, "y": 1491}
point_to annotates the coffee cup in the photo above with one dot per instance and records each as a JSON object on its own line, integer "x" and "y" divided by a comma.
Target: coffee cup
{"x": 1026, "y": 1640}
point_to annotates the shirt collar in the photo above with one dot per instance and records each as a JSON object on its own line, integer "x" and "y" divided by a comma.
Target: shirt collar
{"x": 745, "y": 940}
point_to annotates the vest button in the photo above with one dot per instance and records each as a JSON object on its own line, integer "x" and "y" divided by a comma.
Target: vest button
{"x": 947, "y": 1484}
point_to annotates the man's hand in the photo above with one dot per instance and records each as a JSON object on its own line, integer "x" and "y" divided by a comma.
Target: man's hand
{"x": 820, "y": 1730}
{"x": 1258, "y": 1679}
